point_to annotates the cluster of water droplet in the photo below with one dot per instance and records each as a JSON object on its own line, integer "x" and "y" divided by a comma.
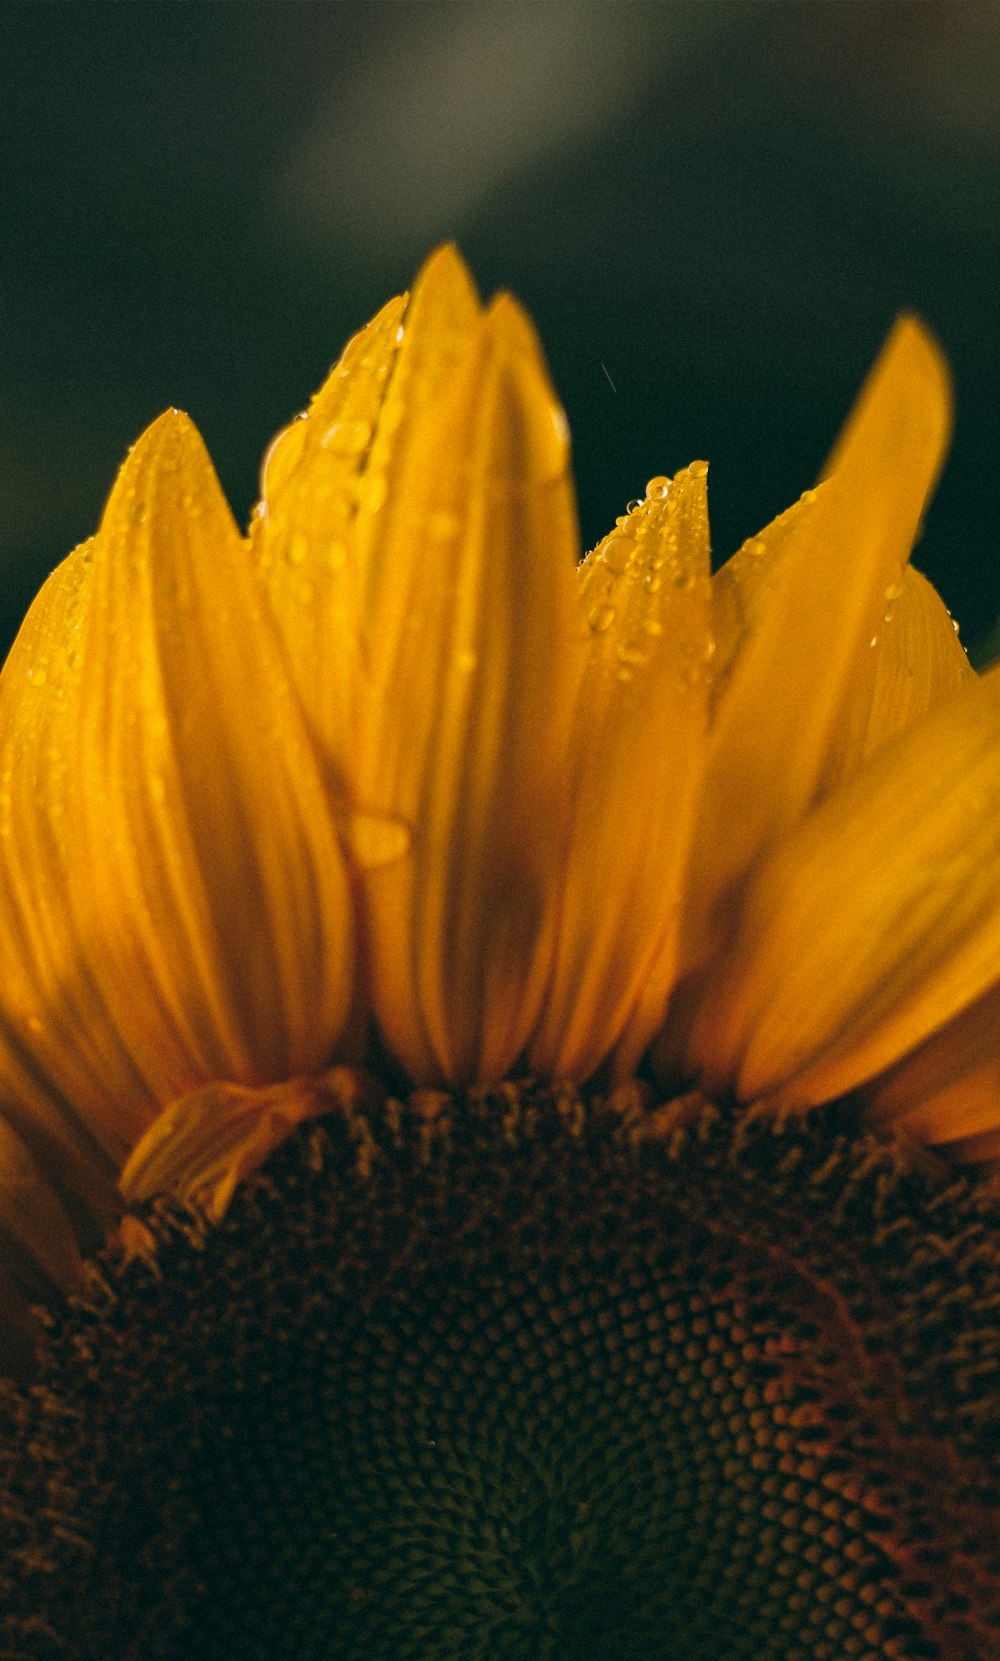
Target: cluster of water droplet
{"x": 630, "y": 574}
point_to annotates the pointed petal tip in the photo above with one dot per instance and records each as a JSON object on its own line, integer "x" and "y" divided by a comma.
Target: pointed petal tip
{"x": 910, "y": 335}
{"x": 910, "y": 373}
{"x": 445, "y": 278}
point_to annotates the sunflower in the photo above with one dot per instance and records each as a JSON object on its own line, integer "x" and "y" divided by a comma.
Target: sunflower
{"x": 499, "y": 1060}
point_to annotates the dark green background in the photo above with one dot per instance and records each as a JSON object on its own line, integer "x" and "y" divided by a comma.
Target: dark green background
{"x": 717, "y": 207}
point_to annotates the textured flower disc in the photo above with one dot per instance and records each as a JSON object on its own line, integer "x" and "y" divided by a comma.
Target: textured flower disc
{"x": 521, "y": 1375}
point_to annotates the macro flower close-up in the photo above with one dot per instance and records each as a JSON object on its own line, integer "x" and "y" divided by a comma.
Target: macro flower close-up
{"x": 499, "y": 1052}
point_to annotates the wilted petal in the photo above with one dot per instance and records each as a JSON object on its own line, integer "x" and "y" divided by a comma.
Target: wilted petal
{"x": 207, "y": 871}
{"x": 462, "y": 758}
{"x": 207, "y": 1142}
{"x": 875, "y": 924}
{"x": 639, "y": 743}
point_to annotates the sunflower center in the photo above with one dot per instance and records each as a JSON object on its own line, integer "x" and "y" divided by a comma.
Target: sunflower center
{"x": 529, "y": 1379}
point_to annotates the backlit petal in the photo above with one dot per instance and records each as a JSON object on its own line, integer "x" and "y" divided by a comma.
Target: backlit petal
{"x": 475, "y": 655}
{"x": 812, "y": 593}
{"x": 641, "y": 716}
{"x": 207, "y": 866}
{"x": 876, "y": 923}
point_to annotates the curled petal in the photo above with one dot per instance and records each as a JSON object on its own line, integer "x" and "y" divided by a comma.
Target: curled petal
{"x": 207, "y": 1142}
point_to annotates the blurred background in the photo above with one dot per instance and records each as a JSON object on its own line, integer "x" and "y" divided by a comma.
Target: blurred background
{"x": 713, "y": 208}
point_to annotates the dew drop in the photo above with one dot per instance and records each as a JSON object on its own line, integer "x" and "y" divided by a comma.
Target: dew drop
{"x": 37, "y": 674}
{"x": 616, "y": 550}
{"x": 653, "y": 582}
{"x": 601, "y": 618}
{"x": 633, "y": 655}
{"x": 893, "y": 591}
{"x": 347, "y": 438}
{"x": 874, "y": 640}
{"x": 631, "y": 506}
{"x": 376, "y": 839}
{"x": 756, "y": 547}
{"x": 698, "y": 469}
{"x": 657, "y": 487}
{"x": 297, "y": 549}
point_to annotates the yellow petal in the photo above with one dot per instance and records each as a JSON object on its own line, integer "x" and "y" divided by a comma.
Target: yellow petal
{"x": 641, "y": 720}
{"x": 69, "y": 1084}
{"x": 303, "y": 531}
{"x": 948, "y": 1086}
{"x": 877, "y": 922}
{"x": 915, "y": 662}
{"x": 330, "y": 504}
{"x": 813, "y": 592}
{"x": 206, "y": 868}
{"x": 475, "y": 658}
{"x": 206, "y": 1143}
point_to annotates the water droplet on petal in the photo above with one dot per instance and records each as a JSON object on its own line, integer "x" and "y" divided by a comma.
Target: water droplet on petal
{"x": 37, "y": 674}
{"x": 698, "y": 469}
{"x": 657, "y": 488}
{"x": 376, "y": 839}
{"x": 347, "y": 438}
{"x": 297, "y": 549}
{"x": 756, "y": 547}
{"x": 601, "y": 618}
{"x": 632, "y": 654}
{"x": 616, "y": 550}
